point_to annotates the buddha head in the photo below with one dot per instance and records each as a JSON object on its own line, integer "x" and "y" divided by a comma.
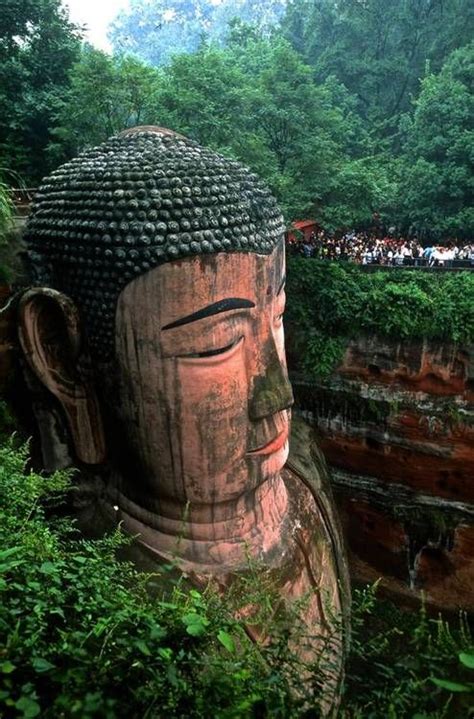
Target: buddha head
{"x": 155, "y": 321}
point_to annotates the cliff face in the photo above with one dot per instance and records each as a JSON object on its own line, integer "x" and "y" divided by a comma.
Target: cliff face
{"x": 396, "y": 423}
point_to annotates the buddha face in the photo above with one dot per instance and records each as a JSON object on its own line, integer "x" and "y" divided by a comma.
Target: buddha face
{"x": 203, "y": 393}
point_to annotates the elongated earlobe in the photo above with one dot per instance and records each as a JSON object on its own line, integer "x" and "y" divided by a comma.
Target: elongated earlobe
{"x": 49, "y": 332}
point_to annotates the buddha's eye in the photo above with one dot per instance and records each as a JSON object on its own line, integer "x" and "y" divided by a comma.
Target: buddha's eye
{"x": 214, "y": 352}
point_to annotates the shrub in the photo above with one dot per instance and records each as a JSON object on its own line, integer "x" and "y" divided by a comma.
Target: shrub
{"x": 399, "y": 661}
{"x": 86, "y": 635}
{"x": 330, "y": 303}
{"x": 83, "y": 634}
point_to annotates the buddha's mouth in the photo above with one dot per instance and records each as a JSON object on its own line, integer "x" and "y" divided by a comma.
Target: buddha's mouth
{"x": 273, "y": 446}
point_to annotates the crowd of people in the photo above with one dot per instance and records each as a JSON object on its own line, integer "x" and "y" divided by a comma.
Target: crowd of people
{"x": 367, "y": 248}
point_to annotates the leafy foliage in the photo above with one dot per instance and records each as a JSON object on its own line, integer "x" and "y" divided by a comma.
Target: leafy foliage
{"x": 157, "y": 31}
{"x": 378, "y": 50}
{"x": 255, "y": 101}
{"x": 396, "y": 659}
{"x": 76, "y": 624}
{"x": 328, "y": 107}
{"x": 38, "y": 46}
{"x": 439, "y": 150}
{"x": 467, "y": 660}
{"x": 106, "y": 95}
{"x": 328, "y": 303}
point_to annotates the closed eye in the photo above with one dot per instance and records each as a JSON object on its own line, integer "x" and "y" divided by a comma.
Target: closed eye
{"x": 214, "y": 352}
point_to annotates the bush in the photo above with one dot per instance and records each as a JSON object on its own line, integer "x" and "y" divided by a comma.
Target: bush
{"x": 85, "y": 635}
{"x": 406, "y": 665}
{"x": 330, "y": 303}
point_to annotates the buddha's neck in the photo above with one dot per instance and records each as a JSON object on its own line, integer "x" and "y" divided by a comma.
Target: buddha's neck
{"x": 226, "y": 532}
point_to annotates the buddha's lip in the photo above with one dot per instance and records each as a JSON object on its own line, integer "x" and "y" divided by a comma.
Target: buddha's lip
{"x": 273, "y": 446}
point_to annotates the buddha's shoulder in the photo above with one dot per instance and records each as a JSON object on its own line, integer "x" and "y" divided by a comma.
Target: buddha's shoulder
{"x": 306, "y": 459}
{"x": 306, "y": 463}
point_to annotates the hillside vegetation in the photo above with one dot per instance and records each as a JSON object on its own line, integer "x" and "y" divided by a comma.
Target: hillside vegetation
{"x": 331, "y": 302}
{"x": 345, "y": 108}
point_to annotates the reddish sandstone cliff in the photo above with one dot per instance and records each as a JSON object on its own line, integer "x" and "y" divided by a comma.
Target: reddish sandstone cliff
{"x": 396, "y": 422}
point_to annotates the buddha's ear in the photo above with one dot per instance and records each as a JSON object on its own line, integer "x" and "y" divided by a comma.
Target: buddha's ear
{"x": 49, "y": 332}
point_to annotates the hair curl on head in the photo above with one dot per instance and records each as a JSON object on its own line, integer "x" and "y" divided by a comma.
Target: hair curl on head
{"x": 142, "y": 198}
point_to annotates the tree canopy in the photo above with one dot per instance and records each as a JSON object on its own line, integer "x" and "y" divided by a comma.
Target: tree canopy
{"x": 157, "y": 30}
{"x": 439, "y": 148}
{"x": 378, "y": 50}
{"x": 38, "y": 46}
{"x": 346, "y": 108}
{"x": 105, "y": 95}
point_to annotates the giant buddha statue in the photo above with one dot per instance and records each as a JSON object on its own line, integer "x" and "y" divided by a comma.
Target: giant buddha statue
{"x": 155, "y": 323}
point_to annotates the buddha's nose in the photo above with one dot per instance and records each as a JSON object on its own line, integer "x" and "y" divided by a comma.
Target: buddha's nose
{"x": 271, "y": 391}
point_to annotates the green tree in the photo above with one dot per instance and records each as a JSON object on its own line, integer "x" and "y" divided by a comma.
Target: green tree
{"x": 256, "y": 101}
{"x": 158, "y": 30}
{"x": 38, "y": 46}
{"x": 357, "y": 189}
{"x": 438, "y": 158}
{"x": 106, "y": 95}
{"x": 312, "y": 132}
{"x": 205, "y": 97}
{"x": 378, "y": 50}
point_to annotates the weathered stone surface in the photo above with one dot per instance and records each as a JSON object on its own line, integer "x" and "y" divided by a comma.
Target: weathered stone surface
{"x": 443, "y": 571}
{"x": 396, "y": 423}
{"x": 447, "y": 571}
{"x": 420, "y": 366}
{"x": 388, "y": 540}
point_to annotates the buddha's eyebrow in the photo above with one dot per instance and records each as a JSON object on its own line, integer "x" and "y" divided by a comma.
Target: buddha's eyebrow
{"x": 282, "y": 284}
{"x": 230, "y": 303}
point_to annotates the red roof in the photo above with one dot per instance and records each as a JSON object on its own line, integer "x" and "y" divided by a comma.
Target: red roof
{"x": 299, "y": 224}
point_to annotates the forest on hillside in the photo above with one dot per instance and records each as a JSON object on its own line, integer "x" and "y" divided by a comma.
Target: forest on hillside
{"x": 347, "y": 108}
